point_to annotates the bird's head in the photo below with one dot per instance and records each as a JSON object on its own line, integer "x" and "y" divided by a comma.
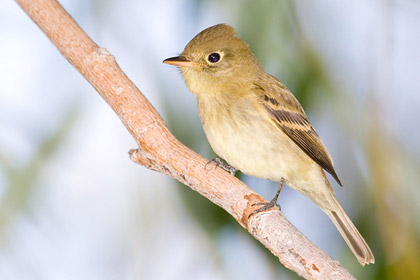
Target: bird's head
{"x": 216, "y": 60}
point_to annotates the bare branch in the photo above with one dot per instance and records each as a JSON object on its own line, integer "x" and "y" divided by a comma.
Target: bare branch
{"x": 159, "y": 150}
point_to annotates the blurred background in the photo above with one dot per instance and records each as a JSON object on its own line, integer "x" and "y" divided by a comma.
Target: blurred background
{"x": 73, "y": 206}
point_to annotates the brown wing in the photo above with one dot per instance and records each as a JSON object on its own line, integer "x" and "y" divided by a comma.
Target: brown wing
{"x": 289, "y": 116}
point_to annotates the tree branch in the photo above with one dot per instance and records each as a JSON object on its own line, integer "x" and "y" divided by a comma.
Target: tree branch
{"x": 159, "y": 150}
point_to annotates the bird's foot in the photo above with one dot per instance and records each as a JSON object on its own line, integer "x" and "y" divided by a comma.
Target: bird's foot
{"x": 220, "y": 163}
{"x": 270, "y": 205}
{"x": 265, "y": 206}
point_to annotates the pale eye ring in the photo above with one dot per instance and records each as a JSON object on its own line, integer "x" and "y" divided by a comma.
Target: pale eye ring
{"x": 213, "y": 57}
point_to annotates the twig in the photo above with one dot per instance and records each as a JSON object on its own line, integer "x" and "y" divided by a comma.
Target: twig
{"x": 159, "y": 150}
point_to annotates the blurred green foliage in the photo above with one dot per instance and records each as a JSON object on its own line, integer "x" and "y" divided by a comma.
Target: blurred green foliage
{"x": 23, "y": 181}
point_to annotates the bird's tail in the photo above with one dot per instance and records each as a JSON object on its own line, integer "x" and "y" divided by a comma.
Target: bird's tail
{"x": 349, "y": 232}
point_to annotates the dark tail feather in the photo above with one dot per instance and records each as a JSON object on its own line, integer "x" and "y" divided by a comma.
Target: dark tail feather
{"x": 350, "y": 234}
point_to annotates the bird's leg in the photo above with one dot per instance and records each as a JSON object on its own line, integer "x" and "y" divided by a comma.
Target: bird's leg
{"x": 218, "y": 162}
{"x": 272, "y": 203}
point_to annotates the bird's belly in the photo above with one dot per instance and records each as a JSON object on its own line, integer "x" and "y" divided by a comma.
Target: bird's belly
{"x": 259, "y": 149}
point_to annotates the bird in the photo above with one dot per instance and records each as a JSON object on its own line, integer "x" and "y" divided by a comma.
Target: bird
{"x": 254, "y": 123}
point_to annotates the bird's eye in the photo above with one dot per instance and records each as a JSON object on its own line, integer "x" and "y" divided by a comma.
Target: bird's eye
{"x": 213, "y": 57}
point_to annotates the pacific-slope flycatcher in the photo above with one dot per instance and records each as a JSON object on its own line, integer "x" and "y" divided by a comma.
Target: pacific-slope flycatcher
{"x": 256, "y": 124}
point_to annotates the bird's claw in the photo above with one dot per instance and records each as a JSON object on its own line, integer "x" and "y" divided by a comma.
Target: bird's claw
{"x": 219, "y": 163}
{"x": 265, "y": 206}
{"x": 269, "y": 205}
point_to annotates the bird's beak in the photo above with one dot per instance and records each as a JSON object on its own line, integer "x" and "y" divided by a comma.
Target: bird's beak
{"x": 180, "y": 61}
